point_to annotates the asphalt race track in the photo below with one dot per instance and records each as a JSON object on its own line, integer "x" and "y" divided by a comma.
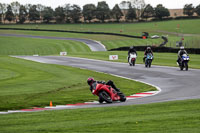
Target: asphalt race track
{"x": 175, "y": 84}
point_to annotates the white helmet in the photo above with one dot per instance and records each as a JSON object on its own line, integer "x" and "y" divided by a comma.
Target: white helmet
{"x": 182, "y": 47}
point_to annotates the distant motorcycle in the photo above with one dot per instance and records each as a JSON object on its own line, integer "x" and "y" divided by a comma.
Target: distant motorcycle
{"x": 148, "y": 60}
{"x": 183, "y": 63}
{"x": 132, "y": 59}
{"x": 108, "y": 94}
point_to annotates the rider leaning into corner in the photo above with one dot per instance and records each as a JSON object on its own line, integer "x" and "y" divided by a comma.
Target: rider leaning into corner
{"x": 147, "y": 51}
{"x": 180, "y": 53}
{"x": 93, "y": 83}
{"x": 131, "y": 50}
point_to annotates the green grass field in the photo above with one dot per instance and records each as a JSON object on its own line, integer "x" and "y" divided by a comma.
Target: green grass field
{"x": 25, "y": 84}
{"x": 158, "y": 28}
{"x": 168, "y": 117}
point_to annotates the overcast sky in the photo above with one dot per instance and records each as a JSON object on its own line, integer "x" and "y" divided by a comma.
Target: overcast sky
{"x": 170, "y": 4}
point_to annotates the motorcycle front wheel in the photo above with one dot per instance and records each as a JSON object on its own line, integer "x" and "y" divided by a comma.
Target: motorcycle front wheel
{"x": 122, "y": 97}
{"x": 181, "y": 66}
{"x": 149, "y": 63}
{"x": 186, "y": 66}
{"x": 146, "y": 63}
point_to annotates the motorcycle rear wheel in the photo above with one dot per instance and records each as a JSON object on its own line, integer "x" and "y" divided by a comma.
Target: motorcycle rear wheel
{"x": 133, "y": 62}
{"x": 105, "y": 97}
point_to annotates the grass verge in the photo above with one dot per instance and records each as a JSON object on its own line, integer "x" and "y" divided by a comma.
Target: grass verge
{"x": 168, "y": 117}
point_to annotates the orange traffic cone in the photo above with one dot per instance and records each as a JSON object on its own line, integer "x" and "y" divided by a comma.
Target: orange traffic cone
{"x": 50, "y": 104}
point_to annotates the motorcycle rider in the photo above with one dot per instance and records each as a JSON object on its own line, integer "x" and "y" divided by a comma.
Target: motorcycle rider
{"x": 180, "y": 53}
{"x": 131, "y": 50}
{"x": 93, "y": 83}
{"x": 147, "y": 51}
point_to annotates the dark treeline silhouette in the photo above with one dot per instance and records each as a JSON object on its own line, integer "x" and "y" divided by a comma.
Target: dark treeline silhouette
{"x": 126, "y": 11}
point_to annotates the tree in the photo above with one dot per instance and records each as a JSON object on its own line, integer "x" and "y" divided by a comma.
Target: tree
{"x": 9, "y": 14}
{"x": 131, "y": 14}
{"x": 15, "y": 8}
{"x": 139, "y": 5}
{"x": 89, "y": 12}
{"x": 2, "y": 12}
{"x": 34, "y": 13}
{"x": 28, "y": 6}
{"x": 75, "y": 13}
{"x": 59, "y": 14}
{"x": 124, "y": 4}
{"x": 103, "y": 11}
{"x": 47, "y": 14}
{"x": 116, "y": 12}
{"x": 188, "y": 10}
{"x": 22, "y": 14}
{"x": 197, "y": 10}
{"x": 148, "y": 12}
{"x": 67, "y": 11}
{"x": 161, "y": 11}
{"x": 40, "y": 8}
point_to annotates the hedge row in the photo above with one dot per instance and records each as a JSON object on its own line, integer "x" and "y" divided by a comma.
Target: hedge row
{"x": 176, "y": 18}
{"x": 159, "y": 49}
{"x": 102, "y": 33}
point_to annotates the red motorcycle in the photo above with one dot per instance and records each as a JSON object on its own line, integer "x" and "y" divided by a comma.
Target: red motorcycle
{"x": 108, "y": 94}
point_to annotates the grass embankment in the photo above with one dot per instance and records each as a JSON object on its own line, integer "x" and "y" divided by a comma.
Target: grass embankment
{"x": 25, "y": 84}
{"x": 30, "y": 46}
{"x": 109, "y": 41}
{"x": 176, "y": 117}
{"x": 185, "y": 27}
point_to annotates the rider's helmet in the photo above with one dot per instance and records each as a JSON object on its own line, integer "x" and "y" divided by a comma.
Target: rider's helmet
{"x": 182, "y": 48}
{"x": 131, "y": 47}
{"x": 148, "y": 48}
{"x": 90, "y": 81}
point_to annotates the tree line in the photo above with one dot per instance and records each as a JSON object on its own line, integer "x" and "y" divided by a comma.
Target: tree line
{"x": 132, "y": 10}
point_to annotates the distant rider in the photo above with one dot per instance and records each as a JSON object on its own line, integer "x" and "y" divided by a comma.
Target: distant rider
{"x": 131, "y": 50}
{"x": 93, "y": 83}
{"x": 180, "y": 53}
{"x": 147, "y": 51}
